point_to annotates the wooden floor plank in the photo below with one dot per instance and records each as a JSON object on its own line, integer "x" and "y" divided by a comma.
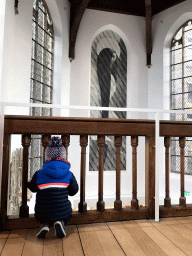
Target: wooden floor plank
{"x": 129, "y": 245}
{"x": 184, "y": 231}
{"x": 33, "y": 245}
{"x": 13, "y": 247}
{"x": 115, "y": 225}
{"x": 129, "y": 224}
{"x": 143, "y": 223}
{"x": 53, "y": 247}
{"x": 20, "y": 233}
{"x": 93, "y": 227}
{"x": 100, "y": 242}
{"x": 2, "y": 244}
{"x": 177, "y": 239}
{"x": 184, "y": 220}
{"x": 109, "y": 243}
{"x": 162, "y": 241}
{"x": 4, "y": 234}
{"x": 72, "y": 245}
{"x": 149, "y": 247}
{"x": 169, "y": 221}
{"x": 91, "y": 243}
{"x": 188, "y": 225}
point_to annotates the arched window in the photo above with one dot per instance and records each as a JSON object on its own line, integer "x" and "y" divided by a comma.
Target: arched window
{"x": 41, "y": 73}
{"x": 108, "y": 89}
{"x": 181, "y": 90}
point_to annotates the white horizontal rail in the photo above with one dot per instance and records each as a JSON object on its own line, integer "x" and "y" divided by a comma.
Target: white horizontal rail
{"x": 141, "y": 110}
{"x": 58, "y": 106}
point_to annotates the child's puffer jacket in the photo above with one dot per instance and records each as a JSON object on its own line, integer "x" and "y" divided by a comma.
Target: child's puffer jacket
{"x": 53, "y": 183}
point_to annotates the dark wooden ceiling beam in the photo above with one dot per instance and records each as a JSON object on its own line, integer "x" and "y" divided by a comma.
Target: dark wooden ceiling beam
{"x": 76, "y": 13}
{"x": 148, "y": 16}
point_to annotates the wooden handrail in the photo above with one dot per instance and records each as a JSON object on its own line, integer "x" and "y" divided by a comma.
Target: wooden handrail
{"x": 92, "y": 126}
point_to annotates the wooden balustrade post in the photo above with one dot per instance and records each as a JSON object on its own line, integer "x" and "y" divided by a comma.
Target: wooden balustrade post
{"x": 167, "y": 200}
{"x": 24, "y": 208}
{"x": 134, "y": 144}
{"x": 66, "y": 143}
{"x": 100, "y": 203}
{"x": 118, "y": 202}
{"x": 45, "y": 143}
{"x": 83, "y": 144}
{"x": 4, "y": 180}
{"x": 182, "y": 199}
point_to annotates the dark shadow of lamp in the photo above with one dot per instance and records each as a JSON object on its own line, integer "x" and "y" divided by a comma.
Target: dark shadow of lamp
{"x": 16, "y": 7}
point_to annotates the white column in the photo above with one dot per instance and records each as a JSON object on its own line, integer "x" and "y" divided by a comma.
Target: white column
{"x": 2, "y": 27}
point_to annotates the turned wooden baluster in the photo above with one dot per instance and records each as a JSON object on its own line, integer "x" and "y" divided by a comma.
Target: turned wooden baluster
{"x": 167, "y": 200}
{"x": 24, "y": 208}
{"x": 100, "y": 203}
{"x": 66, "y": 143}
{"x": 182, "y": 199}
{"x": 118, "y": 202}
{"x": 82, "y": 203}
{"x": 45, "y": 143}
{"x": 134, "y": 144}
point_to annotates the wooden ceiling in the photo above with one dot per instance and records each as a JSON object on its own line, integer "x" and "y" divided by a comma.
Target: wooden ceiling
{"x": 134, "y": 7}
{"x": 145, "y": 8}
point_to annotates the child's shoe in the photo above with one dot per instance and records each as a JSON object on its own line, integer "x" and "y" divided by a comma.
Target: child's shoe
{"x": 59, "y": 228}
{"x": 44, "y": 229}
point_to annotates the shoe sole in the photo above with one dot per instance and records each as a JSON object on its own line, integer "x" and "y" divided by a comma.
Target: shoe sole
{"x": 43, "y": 232}
{"x": 60, "y": 231}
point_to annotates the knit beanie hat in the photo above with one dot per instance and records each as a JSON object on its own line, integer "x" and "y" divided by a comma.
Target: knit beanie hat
{"x": 55, "y": 149}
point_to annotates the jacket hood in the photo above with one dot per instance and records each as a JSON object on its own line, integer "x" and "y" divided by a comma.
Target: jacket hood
{"x": 56, "y": 169}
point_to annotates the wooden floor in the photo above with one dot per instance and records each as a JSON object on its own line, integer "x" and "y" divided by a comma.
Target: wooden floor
{"x": 170, "y": 236}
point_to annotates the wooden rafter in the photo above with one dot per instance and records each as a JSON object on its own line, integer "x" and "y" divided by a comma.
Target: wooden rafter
{"x": 77, "y": 10}
{"x": 148, "y": 31}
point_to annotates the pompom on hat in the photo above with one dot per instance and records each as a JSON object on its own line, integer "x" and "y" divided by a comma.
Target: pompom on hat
{"x": 55, "y": 149}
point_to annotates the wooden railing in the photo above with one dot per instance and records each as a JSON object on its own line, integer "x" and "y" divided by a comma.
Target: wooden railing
{"x": 83, "y": 127}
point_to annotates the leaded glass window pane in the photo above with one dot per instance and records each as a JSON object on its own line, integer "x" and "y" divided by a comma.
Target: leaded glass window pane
{"x": 181, "y": 90}
{"x": 41, "y": 74}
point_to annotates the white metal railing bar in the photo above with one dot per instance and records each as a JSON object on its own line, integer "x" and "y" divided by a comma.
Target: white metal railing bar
{"x": 141, "y": 110}
{"x": 157, "y": 166}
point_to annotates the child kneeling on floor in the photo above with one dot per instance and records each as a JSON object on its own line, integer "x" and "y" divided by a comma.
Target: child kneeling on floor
{"x": 53, "y": 183}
